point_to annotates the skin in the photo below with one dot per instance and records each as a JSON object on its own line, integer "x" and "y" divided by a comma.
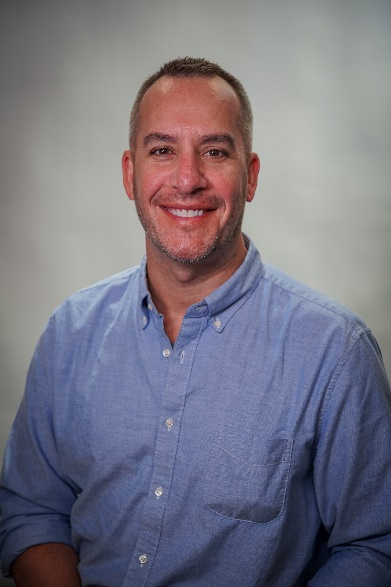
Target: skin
{"x": 46, "y": 565}
{"x": 189, "y": 156}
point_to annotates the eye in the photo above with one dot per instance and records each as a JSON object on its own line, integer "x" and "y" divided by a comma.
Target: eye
{"x": 216, "y": 153}
{"x": 161, "y": 151}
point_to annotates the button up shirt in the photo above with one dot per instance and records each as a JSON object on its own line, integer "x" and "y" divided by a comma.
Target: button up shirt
{"x": 253, "y": 452}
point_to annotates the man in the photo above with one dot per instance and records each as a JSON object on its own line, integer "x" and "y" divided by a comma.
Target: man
{"x": 202, "y": 419}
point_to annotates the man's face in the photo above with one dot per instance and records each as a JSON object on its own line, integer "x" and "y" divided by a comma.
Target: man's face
{"x": 188, "y": 172}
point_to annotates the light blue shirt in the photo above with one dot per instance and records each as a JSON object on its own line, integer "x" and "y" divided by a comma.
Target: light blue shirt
{"x": 254, "y": 452}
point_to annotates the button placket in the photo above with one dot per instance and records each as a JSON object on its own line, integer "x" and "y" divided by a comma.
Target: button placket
{"x": 173, "y": 402}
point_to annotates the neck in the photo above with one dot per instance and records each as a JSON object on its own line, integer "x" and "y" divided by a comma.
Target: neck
{"x": 174, "y": 286}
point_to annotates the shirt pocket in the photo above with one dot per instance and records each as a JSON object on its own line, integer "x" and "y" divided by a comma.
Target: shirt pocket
{"x": 249, "y": 482}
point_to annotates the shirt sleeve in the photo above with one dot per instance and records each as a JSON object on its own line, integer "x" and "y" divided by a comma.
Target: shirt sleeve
{"x": 352, "y": 472}
{"x": 35, "y": 498}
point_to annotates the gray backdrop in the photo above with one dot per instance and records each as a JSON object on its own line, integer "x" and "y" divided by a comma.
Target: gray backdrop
{"x": 318, "y": 75}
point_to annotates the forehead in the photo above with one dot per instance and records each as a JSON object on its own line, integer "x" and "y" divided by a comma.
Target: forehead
{"x": 189, "y": 102}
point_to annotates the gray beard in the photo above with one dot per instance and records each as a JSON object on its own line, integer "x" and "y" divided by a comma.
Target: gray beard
{"x": 235, "y": 228}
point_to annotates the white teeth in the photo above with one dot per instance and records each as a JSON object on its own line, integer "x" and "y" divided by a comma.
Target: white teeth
{"x": 186, "y": 213}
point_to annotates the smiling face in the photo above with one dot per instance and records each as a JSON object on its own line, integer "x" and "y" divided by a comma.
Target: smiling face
{"x": 189, "y": 174}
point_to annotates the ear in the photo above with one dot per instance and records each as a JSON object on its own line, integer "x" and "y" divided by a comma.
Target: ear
{"x": 127, "y": 173}
{"x": 252, "y": 176}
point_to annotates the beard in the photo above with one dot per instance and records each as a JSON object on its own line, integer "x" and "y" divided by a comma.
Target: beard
{"x": 187, "y": 252}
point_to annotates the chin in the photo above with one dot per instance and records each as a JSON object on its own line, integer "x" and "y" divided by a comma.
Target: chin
{"x": 185, "y": 252}
{"x": 182, "y": 257}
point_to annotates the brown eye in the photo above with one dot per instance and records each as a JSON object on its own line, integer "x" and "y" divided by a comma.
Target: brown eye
{"x": 161, "y": 151}
{"x": 216, "y": 153}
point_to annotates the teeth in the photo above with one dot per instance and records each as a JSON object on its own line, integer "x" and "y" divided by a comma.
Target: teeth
{"x": 186, "y": 213}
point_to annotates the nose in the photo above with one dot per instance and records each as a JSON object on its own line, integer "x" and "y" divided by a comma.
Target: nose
{"x": 188, "y": 176}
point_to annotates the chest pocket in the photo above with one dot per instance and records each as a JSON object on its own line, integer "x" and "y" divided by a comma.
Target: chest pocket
{"x": 249, "y": 481}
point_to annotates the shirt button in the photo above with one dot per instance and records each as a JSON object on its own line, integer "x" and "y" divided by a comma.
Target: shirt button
{"x": 217, "y": 323}
{"x": 143, "y": 559}
{"x": 166, "y": 353}
{"x": 150, "y": 306}
{"x": 169, "y": 423}
{"x": 158, "y": 491}
{"x": 144, "y": 319}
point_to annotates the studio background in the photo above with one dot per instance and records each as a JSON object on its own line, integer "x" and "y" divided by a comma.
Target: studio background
{"x": 318, "y": 75}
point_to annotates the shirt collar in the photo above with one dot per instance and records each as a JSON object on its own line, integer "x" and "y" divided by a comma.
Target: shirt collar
{"x": 226, "y": 300}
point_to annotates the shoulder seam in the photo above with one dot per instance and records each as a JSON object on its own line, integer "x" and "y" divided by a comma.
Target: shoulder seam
{"x": 358, "y": 325}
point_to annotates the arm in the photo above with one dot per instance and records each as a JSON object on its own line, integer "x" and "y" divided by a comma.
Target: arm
{"x": 35, "y": 498}
{"x": 46, "y": 565}
{"x": 352, "y": 472}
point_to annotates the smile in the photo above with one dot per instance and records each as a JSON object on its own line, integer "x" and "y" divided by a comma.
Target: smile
{"x": 185, "y": 213}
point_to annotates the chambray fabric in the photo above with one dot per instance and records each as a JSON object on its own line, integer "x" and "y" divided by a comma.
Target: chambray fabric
{"x": 254, "y": 452}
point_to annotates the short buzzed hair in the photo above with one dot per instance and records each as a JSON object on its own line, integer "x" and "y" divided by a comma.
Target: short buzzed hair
{"x": 196, "y": 67}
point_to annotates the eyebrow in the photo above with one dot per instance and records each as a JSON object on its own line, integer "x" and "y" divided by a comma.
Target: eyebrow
{"x": 224, "y": 139}
{"x": 155, "y": 137}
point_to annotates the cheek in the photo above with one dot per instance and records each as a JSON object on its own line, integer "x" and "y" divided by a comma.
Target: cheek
{"x": 233, "y": 192}
{"x": 151, "y": 181}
